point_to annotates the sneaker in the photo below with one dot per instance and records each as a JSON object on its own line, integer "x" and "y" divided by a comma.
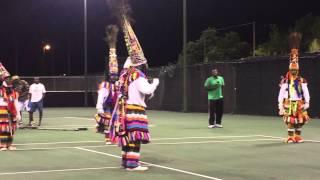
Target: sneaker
{"x": 298, "y": 139}
{"x": 32, "y": 124}
{"x": 138, "y": 168}
{"x": 108, "y": 143}
{"x": 20, "y": 123}
{"x": 219, "y": 126}
{"x": 3, "y": 149}
{"x": 211, "y": 126}
{"x": 12, "y": 148}
{"x": 21, "y": 126}
{"x": 290, "y": 139}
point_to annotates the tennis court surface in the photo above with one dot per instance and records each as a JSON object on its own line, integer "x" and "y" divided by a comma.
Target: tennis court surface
{"x": 248, "y": 147}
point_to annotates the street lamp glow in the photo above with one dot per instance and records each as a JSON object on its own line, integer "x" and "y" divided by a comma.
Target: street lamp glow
{"x": 46, "y": 47}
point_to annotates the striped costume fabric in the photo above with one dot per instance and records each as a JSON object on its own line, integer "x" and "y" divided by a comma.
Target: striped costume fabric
{"x": 117, "y": 131}
{"x": 130, "y": 122}
{"x": 131, "y": 155}
{"x": 106, "y": 123}
{"x": 102, "y": 123}
{"x": 7, "y": 128}
{"x": 136, "y": 123}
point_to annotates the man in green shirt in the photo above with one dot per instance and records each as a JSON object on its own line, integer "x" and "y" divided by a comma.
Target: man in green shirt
{"x": 214, "y": 85}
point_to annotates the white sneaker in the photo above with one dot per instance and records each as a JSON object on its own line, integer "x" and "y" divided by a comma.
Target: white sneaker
{"x": 219, "y": 126}
{"x": 211, "y": 126}
{"x": 139, "y": 168}
{"x": 108, "y": 143}
{"x": 32, "y": 124}
{"x": 20, "y": 124}
{"x": 12, "y": 148}
{"x": 3, "y": 149}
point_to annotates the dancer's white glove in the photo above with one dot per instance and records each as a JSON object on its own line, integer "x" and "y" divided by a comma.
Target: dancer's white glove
{"x": 100, "y": 111}
{"x": 281, "y": 110}
{"x": 156, "y": 81}
{"x": 151, "y": 96}
{"x": 18, "y": 117}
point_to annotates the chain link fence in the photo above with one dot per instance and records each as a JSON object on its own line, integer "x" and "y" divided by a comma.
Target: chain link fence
{"x": 251, "y": 86}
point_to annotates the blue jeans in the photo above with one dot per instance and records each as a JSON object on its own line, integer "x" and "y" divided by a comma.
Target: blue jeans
{"x": 36, "y": 105}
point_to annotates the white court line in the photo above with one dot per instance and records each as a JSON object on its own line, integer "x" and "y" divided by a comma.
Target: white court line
{"x": 51, "y": 117}
{"x": 57, "y": 170}
{"x": 72, "y": 117}
{"x": 159, "y": 166}
{"x": 282, "y": 138}
{"x": 62, "y": 126}
{"x": 71, "y": 125}
{"x": 71, "y": 142}
{"x": 156, "y": 139}
{"x": 202, "y": 142}
{"x": 92, "y": 119}
{"x": 204, "y": 137}
{"x": 274, "y": 137}
{"x": 63, "y": 117}
{"x": 63, "y": 147}
{"x": 178, "y": 143}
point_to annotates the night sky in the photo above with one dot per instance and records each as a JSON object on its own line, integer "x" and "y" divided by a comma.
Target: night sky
{"x": 27, "y": 24}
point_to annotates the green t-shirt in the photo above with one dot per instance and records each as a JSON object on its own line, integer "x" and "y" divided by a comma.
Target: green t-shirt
{"x": 214, "y": 87}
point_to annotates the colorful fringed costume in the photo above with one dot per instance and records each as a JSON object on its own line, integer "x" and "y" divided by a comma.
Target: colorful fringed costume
{"x": 8, "y": 111}
{"x": 133, "y": 121}
{"x": 129, "y": 127}
{"x": 107, "y": 91}
{"x": 294, "y": 96}
{"x": 129, "y": 123}
{"x": 107, "y": 95}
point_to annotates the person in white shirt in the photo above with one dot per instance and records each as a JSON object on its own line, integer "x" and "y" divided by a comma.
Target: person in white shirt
{"x": 37, "y": 92}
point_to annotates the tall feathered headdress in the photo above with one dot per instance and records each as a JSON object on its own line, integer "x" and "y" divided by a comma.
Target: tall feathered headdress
{"x": 133, "y": 46}
{"x": 294, "y": 43}
{"x": 3, "y": 72}
{"x": 111, "y": 39}
{"x": 121, "y": 9}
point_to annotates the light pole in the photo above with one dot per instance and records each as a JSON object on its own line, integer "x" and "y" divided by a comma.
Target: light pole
{"x": 253, "y": 38}
{"x": 68, "y": 71}
{"x": 205, "y": 57}
{"x": 85, "y": 37}
{"x": 185, "y": 100}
